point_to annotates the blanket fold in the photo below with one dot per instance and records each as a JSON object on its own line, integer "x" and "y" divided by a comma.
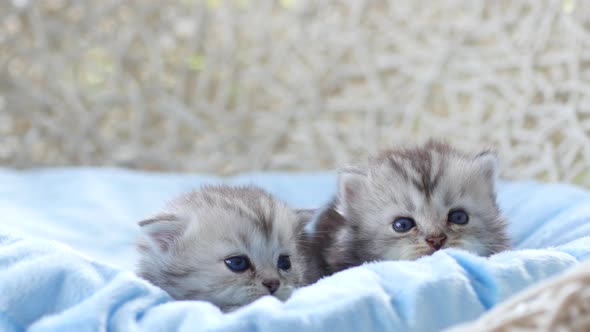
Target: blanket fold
{"x": 49, "y": 287}
{"x": 83, "y": 281}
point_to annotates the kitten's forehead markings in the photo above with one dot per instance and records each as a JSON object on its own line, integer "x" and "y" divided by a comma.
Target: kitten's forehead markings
{"x": 264, "y": 223}
{"x": 240, "y": 243}
{"x": 208, "y": 200}
{"x": 409, "y": 204}
{"x": 244, "y": 239}
{"x": 399, "y": 169}
{"x": 424, "y": 168}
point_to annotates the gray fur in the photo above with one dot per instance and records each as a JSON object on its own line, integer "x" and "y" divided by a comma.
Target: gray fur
{"x": 424, "y": 183}
{"x": 183, "y": 248}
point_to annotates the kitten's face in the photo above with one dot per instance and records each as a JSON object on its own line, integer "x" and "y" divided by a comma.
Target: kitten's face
{"x": 414, "y": 202}
{"x": 235, "y": 245}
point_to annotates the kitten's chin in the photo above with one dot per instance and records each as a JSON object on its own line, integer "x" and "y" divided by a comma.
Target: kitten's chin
{"x": 230, "y": 308}
{"x": 416, "y": 253}
{"x": 284, "y": 293}
{"x": 404, "y": 254}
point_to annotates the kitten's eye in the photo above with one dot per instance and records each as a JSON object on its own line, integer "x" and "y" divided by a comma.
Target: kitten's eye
{"x": 458, "y": 217}
{"x": 237, "y": 263}
{"x": 403, "y": 224}
{"x": 284, "y": 262}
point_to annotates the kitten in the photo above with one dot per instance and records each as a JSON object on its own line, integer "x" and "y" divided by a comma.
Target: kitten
{"x": 406, "y": 204}
{"x": 226, "y": 245}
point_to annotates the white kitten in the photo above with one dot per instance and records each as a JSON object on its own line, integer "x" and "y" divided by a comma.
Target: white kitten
{"x": 226, "y": 245}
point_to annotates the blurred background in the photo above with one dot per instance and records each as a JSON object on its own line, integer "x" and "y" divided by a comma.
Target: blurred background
{"x": 230, "y": 86}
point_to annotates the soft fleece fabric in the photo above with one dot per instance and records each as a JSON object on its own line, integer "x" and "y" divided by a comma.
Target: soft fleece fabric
{"x": 66, "y": 259}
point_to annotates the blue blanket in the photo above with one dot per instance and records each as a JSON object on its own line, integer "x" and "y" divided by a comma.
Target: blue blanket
{"x": 82, "y": 279}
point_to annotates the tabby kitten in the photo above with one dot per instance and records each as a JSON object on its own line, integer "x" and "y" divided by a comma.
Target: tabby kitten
{"x": 226, "y": 245}
{"x": 406, "y": 204}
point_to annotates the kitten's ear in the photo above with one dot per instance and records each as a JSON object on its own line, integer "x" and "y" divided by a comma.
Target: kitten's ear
{"x": 487, "y": 161}
{"x": 304, "y": 217}
{"x": 351, "y": 181}
{"x": 162, "y": 230}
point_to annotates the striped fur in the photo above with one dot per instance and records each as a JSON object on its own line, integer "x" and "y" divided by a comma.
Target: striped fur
{"x": 423, "y": 183}
{"x": 183, "y": 248}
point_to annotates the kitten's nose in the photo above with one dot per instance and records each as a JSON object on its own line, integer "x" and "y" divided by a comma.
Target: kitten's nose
{"x": 436, "y": 242}
{"x": 272, "y": 285}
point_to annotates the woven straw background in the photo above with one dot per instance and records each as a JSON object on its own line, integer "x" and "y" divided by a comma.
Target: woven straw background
{"x": 230, "y": 86}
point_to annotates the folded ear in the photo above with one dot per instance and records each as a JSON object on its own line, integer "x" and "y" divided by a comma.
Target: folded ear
{"x": 487, "y": 162}
{"x": 162, "y": 230}
{"x": 351, "y": 182}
